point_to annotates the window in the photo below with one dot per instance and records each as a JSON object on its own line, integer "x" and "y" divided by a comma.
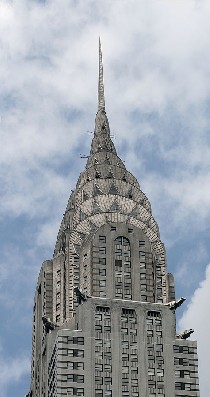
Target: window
{"x": 108, "y": 380}
{"x": 144, "y": 298}
{"x": 99, "y": 393}
{"x": 76, "y": 340}
{"x": 75, "y": 365}
{"x": 107, "y": 368}
{"x": 160, "y": 372}
{"x": 75, "y": 378}
{"x": 79, "y": 340}
{"x": 70, "y": 377}
{"x": 75, "y": 353}
{"x": 102, "y": 239}
{"x": 102, "y": 309}
{"x": 153, "y": 314}
{"x": 108, "y": 393}
{"x": 102, "y": 250}
{"x": 70, "y": 391}
{"x": 125, "y": 370}
{"x": 102, "y": 261}
{"x": 79, "y": 378}
{"x": 70, "y": 365}
{"x": 179, "y": 386}
{"x": 80, "y": 392}
{"x": 151, "y": 371}
{"x": 99, "y": 367}
{"x": 161, "y": 390}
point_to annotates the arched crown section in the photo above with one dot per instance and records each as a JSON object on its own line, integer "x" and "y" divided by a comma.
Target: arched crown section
{"x": 118, "y": 261}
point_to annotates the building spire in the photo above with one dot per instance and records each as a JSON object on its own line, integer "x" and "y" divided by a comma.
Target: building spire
{"x": 101, "y": 99}
{"x": 101, "y": 140}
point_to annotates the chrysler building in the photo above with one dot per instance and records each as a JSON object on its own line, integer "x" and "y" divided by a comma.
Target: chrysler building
{"x": 104, "y": 316}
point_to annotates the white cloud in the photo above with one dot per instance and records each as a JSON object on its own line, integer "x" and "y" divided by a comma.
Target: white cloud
{"x": 12, "y": 371}
{"x": 48, "y": 233}
{"x": 196, "y": 316}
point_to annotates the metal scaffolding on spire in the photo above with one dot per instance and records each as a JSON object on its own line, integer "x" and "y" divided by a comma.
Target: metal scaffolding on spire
{"x": 101, "y": 99}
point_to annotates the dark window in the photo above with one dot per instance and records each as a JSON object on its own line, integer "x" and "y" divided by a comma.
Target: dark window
{"x": 153, "y": 314}
{"x": 179, "y": 386}
{"x": 102, "y": 250}
{"x": 75, "y": 378}
{"x": 102, "y": 309}
{"x": 102, "y": 261}
{"x": 102, "y": 239}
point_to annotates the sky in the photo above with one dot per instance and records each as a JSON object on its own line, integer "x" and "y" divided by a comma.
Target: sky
{"x": 157, "y": 89}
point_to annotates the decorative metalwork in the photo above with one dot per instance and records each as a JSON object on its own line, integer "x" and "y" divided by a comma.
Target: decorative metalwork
{"x": 101, "y": 99}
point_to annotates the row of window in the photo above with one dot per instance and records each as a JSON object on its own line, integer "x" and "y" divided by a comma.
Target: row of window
{"x": 186, "y": 386}
{"x": 73, "y": 391}
{"x": 179, "y": 373}
{"x": 74, "y": 365}
{"x": 103, "y": 393}
{"x": 155, "y": 353}
{"x": 185, "y": 361}
{"x": 75, "y": 378}
{"x": 75, "y": 340}
{"x": 99, "y": 271}
{"x": 185, "y": 349}
{"x": 72, "y": 352}
{"x": 129, "y": 353}
{"x": 102, "y": 239}
{"x": 103, "y": 355}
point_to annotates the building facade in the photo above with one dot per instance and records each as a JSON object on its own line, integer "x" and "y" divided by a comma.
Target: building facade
{"x": 104, "y": 317}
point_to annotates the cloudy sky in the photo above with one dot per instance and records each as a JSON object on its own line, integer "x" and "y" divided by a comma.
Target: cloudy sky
{"x": 157, "y": 88}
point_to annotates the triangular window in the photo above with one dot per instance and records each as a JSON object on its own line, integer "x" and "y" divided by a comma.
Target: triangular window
{"x": 85, "y": 196}
{"x": 114, "y": 207}
{"x": 129, "y": 194}
{"x": 82, "y": 216}
{"x": 113, "y": 190}
{"x": 134, "y": 212}
{"x": 96, "y": 208}
{"x": 97, "y": 190}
